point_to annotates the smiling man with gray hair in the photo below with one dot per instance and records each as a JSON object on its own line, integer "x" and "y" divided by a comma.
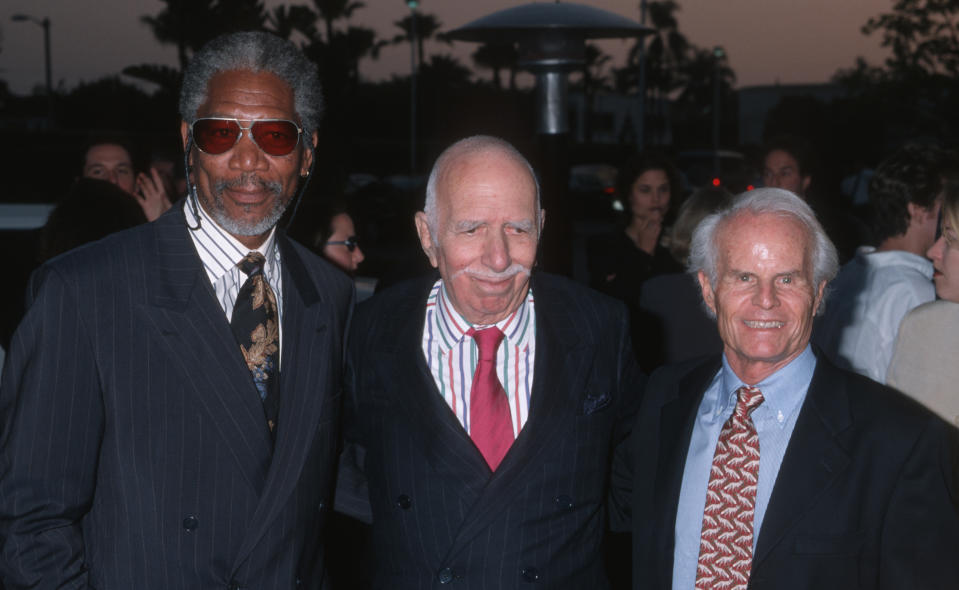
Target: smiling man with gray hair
{"x": 483, "y": 407}
{"x": 169, "y": 408}
{"x": 769, "y": 467}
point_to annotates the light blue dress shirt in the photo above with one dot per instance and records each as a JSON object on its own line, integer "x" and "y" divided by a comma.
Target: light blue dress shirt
{"x": 783, "y": 392}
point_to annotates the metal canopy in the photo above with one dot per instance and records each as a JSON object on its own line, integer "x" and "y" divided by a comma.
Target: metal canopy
{"x": 574, "y": 20}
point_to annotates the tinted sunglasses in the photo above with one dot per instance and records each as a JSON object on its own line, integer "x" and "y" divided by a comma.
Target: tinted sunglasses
{"x": 216, "y": 135}
{"x": 349, "y": 242}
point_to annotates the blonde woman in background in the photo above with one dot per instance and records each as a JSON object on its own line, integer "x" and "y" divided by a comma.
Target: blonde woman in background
{"x": 924, "y": 364}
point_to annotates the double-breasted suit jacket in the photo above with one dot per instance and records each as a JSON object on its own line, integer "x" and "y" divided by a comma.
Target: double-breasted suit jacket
{"x": 133, "y": 443}
{"x": 867, "y": 495}
{"x": 439, "y": 516}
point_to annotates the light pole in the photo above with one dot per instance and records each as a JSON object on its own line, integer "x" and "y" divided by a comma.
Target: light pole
{"x": 641, "y": 82}
{"x": 413, "y": 4}
{"x": 45, "y": 24}
{"x": 718, "y": 55}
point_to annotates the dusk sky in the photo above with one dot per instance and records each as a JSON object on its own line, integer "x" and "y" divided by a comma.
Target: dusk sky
{"x": 767, "y": 41}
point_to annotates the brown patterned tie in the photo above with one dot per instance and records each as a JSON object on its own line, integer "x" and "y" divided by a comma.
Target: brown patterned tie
{"x": 256, "y": 327}
{"x": 726, "y": 544}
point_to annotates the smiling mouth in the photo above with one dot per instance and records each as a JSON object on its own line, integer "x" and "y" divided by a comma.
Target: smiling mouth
{"x": 761, "y": 325}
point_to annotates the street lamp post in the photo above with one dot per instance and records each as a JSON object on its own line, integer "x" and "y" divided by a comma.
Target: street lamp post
{"x": 45, "y": 24}
{"x": 413, "y": 4}
{"x": 551, "y": 41}
{"x": 718, "y": 55}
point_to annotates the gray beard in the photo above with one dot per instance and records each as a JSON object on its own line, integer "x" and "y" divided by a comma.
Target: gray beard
{"x": 218, "y": 211}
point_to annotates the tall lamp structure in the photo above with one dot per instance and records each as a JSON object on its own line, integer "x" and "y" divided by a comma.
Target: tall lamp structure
{"x": 551, "y": 41}
{"x": 44, "y": 23}
{"x": 413, "y": 5}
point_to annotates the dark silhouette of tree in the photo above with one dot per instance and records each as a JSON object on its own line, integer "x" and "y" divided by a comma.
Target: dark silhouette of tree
{"x": 333, "y": 10}
{"x": 497, "y": 57}
{"x": 922, "y": 34}
{"x": 189, "y": 24}
{"x": 284, "y": 20}
{"x": 427, "y": 27}
{"x": 445, "y": 70}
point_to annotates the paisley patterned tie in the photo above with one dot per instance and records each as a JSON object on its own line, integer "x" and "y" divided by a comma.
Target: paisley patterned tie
{"x": 726, "y": 544}
{"x": 255, "y": 325}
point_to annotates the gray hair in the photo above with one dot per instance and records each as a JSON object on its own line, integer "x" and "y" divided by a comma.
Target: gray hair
{"x": 704, "y": 249}
{"x": 466, "y": 147}
{"x": 256, "y": 52}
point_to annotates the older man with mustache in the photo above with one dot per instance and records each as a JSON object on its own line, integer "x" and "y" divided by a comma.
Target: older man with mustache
{"x": 483, "y": 408}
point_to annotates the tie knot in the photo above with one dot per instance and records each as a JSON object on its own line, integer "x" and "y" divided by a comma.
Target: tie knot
{"x": 252, "y": 264}
{"x": 749, "y": 399}
{"x": 487, "y": 340}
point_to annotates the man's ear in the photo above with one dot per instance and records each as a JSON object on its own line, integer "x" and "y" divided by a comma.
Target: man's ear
{"x": 708, "y": 296}
{"x": 185, "y": 135}
{"x": 426, "y": 239}
{"x": 819, "y": 294}
{"x": 806, "y": 181}
{"x": 308, "y": 154}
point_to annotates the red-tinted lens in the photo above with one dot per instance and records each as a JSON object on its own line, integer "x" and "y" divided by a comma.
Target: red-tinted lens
{"x": 277, "y": 138}
{"x": 215, "y": 136}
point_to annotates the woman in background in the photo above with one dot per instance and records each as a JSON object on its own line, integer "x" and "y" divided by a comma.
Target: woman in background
{"x": 336, "y": 240}
{"x": 924, "y": 363}
{"x": 619, "y": 262}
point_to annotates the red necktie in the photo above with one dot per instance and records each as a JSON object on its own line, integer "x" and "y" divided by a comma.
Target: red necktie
{"x": 726, "y": 544}
{"x": 490, "y": 424}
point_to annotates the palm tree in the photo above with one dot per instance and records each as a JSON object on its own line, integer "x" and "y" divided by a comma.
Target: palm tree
{"x": 284, "y": 20}
{"x": 333, "y": 10}
{"x": 496, "y": 57}
{"x": 427, "y": 27}
{"x": 189, "y": 24}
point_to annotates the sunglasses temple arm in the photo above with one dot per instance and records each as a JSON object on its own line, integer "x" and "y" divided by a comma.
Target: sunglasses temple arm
{"x": 299, "y": 194}
{"x": 190, "y": 189}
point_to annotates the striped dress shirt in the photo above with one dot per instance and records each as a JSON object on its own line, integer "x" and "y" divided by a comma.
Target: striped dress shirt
{"x": 452, "y": 355}
{"x": 220, "y": 252}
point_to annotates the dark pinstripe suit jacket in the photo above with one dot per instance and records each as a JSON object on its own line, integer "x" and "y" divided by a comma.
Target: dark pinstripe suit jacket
{"x": 439, "y": 516}
{"x": 133, "y": 447}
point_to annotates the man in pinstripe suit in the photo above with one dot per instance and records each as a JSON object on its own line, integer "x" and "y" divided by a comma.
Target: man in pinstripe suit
{"x": 135, "y": 449}
{"x": 448, "y": 507}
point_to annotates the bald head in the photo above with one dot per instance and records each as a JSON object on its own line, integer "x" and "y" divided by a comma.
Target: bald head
{"x": 481, "y": 226}
{"x": 466, "y": 150}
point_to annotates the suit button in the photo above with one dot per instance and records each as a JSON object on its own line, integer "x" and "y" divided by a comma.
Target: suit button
{"x": 190, "y": 523}
{"x": 321, "y": 506}
{"x": 446, "y": 575}
{"x": 563, "y": 502}
{"x": 531, "y": 574}
{"x": 403, "y": 501}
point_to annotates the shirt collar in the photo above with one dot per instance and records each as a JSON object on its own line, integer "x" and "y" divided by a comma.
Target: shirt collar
{"x": 455, "y": 326}
{"x": 872, "y": 257}
{"x": 220, "y": 250}
{"x": 783, "y": 391}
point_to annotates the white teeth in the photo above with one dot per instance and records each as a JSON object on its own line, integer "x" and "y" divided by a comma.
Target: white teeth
{"x": 760, "y": 325}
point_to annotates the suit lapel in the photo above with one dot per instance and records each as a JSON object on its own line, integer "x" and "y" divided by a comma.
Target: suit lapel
{"x": 195, "y": 331}
{"x": 433, "y": 426}
{"x": 560, "y": 372}
{"x": 303, "y": 378}
{"x": 813, "y": 459}
{"x": 675, "y": 428}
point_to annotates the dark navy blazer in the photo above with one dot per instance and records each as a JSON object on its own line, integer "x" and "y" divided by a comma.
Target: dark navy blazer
{"x": 867, "y": 495}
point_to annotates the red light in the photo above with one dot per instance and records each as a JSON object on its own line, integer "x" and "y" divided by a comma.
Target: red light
{"x": 609, "y": 190}
{"x": 715, "y": 182}
{"x": 750, "y": 187}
